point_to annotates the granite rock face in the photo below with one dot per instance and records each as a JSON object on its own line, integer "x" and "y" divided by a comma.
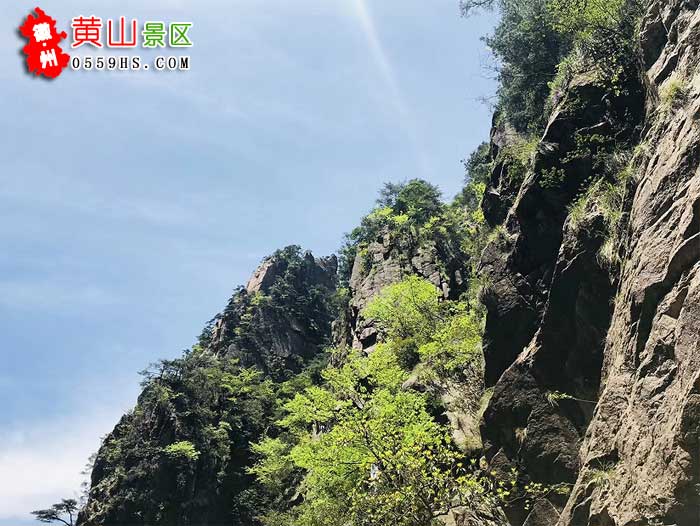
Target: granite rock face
{"x": 285, "y": 325}
{"x": 622, "y": 343}
{"x": 645, "y": 432}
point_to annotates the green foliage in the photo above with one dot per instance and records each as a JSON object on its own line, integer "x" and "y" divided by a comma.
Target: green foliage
{"x": 411, "y": 217}
{"x": 477, "y": 168}
{"x": 445, "y": 336}
{"x": 605, "y": 198}
{"x": 585, "y": 18}
{"x": 554, "y": 397}
{"x": 569, "y": 66}
{"x": 276, "y": 467}
{"x": 552, "y": 178}
{"x": 541, "y": 44}
{"x": 183, "y": 450}
{"x": 417, "y": 200}
{"x": 521, "y": 149}
{"x": 207, "y": 410}
{"x": 409, "y": 309}
{"x": 602, "y": 475}
{"x": 359, "y": 447}
{"x": 528, "y": 49}
{"x": 517, "y": 157}
{"x": 604, "y": 34}
{"x": 455, "y": 344}
{"x": 402, "y": 210}
{"x": 370, "y": 452}
{"x": 498, "y": 235}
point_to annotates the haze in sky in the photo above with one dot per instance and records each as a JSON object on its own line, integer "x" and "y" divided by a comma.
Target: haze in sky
{"x": 134, "y": 202}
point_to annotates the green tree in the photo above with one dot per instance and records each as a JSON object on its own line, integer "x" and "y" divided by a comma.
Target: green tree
{"x": 370, "y": 452}
{"x": 409, "y": 309}
{"x": 402, "y": 211}
{"x": 65, "y": 512}
{"x": 585, "y": 17}
{"x": 360, "y": 448}
{"x": 527, "y": 49}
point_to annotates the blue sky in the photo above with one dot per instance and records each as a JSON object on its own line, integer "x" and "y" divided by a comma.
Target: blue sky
{"x": 133, "y": 203}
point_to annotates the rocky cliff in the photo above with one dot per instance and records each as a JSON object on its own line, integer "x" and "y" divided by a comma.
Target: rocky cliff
{"x": 594, "y": 356}
{"x": 645, "y": 429}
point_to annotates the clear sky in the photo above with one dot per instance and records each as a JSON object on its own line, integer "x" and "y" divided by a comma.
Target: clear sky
{"x": 133, "y": 203}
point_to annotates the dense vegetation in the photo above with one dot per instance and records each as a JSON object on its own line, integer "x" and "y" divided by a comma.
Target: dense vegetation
{"x": 539, "y": 45}
{"x": 360, "y": 448}
{"x": 236, "y": 432}
{"x": 181, "y": 456}
{"x": 412, "y": 214}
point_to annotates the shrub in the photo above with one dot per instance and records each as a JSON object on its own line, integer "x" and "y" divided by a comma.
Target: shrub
{"x": 673, "y": 94}
{"x": 406, "y": 310}
{"x": 572, "y": 64}
{"x": 607, "y": 199}
{"x": 455, "y": 345}
{"x": 182, "y": 450}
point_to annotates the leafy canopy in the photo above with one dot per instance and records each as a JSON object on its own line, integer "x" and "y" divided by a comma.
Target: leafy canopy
{"x": 360, "y": 448}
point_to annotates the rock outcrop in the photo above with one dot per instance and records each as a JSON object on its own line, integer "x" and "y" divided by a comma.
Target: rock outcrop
{"x": 181, "y": 456}
{"x": 388, "y": 261}
{"x": 282, "y": 318}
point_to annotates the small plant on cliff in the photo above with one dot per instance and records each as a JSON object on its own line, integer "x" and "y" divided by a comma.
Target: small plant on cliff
{"x": 605, "y": 198}
{"x": 552, "y": 178}
{"x": 570, "y": 65}
{"x": 517, "y": 156}
{"x": 554, "y": 397}
{"x": 673, "y": 93}
{"x": 601, "y": 476}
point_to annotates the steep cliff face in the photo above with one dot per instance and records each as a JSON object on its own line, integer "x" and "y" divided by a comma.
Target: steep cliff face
{"x": 594, "y": 359}
{"x": 645, "y": 433}
{"x": 281, "y": 319}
